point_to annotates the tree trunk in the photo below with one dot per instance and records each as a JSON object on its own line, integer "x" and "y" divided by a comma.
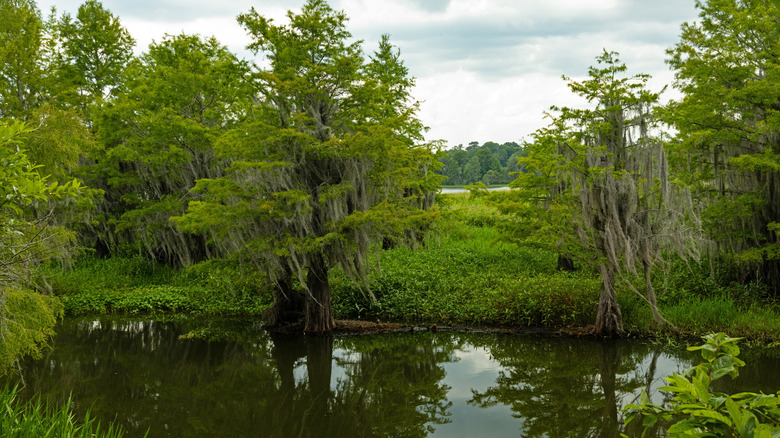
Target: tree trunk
{"x": 609, "y": 357}
{"x": 319, "y": 315}
{"x": 650, "y": 295}
{"x": 565, "y": 263}
{"x": 288, "y": 304}
{"x": 609, "y": 320}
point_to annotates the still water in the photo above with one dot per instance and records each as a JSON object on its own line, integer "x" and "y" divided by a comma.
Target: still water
{"x": 243, "y": 382}
{"x": 446, "y": 190}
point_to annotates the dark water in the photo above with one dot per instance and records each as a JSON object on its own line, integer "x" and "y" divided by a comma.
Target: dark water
{"x": 142, "y": 375}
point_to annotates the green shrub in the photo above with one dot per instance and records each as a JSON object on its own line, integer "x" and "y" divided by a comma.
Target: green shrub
{"x": 717, "y": 277}
{"x": 135, "y": 285}
{"x": 695, "y": 411}
{"x": 459, "y": 209}
{"x": 476, "y": 282}
{"x": 26, "y": 322}
{"x": 95, "y": 273}
{"x": 163, "y": 299}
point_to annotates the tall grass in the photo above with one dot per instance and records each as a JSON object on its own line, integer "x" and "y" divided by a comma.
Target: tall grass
{"x": 34, "y": 419}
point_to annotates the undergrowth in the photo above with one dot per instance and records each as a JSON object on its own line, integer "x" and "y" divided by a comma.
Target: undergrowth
{"x": 135, "y": 286}
{"x": 464, "y": 275}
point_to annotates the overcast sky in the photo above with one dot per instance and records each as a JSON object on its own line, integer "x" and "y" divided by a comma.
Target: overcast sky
{"x": 486, "y": 69}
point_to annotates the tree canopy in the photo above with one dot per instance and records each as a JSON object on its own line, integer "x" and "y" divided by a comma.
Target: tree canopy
{"x": 728, "y": 122}
{"x": 327, "y": 166}
{"x": 26, "y": 240}
{"x": 491, "y": 163}
{"x": 159, "y": 134}
{"x": 599, "y": 172}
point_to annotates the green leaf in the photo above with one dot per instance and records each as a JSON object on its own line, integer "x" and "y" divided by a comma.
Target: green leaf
{"x": 710, "y": 414}
{"x": 739, "y": 417}
{"x": 683, "y": 428}
{"x": 722, "y": 366}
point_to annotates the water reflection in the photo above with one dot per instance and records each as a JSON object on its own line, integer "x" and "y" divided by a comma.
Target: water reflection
{"x": 144, "y": 376}
{"x": 568, "y": 391}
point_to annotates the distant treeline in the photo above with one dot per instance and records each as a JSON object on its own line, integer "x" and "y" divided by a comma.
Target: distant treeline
{"x": 491, "y": 163}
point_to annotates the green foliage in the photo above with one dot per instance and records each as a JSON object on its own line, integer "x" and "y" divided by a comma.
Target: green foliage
{"x": 139, "y": 286}
{"x": 459, "y": 209}
{"x": 715, "y": 277}
{"x": 159, "y": 133}
{"x": 696, "y": 411}
{"x": 469, "y": 280}
{"x": 28, "y": 320}
{"x": 489, "y": 163}
{"x": 477, "y": 189}
{"x": 703, "y": 314}
{"x": 726, "y": 66}
{"x": 26, "y": 317}
{"x": 35, "y": 419}
{"x": 193, "y": 300}
{"x": 96, "y": 48}
{"x": 467, "y": 277}
{"x": 112, "y": 273}
{"x": 22, "y": 77}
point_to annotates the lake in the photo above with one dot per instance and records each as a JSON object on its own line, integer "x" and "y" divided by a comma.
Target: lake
{"x": 445, "y": 190}
{"x": 233, "y": 379}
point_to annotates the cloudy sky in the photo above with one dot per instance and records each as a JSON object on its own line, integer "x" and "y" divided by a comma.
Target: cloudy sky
{"x": 486, "y": 69}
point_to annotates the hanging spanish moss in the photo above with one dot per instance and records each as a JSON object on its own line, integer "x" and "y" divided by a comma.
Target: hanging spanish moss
{"x": 625, "y": 209}
{"x": 726, "y": 66}
{"x": 159, "y": 136}
{"x": 326, "y": 170}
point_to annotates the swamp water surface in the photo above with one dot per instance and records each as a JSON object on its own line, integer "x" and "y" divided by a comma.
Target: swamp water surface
{"x": 145, "y": 375}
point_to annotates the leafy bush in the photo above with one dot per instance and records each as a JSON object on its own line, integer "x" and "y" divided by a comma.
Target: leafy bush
{"x": 716, "y": 277}
{"x": 702, "y": 314}
{"x": 162, "y": 299}
{"x": 697, "y": 412}
{"x": 460, "y": 209}
{"x": 27, "y": 320}
{"x": 136, "y": 285}
{"x": 476, "y": 281}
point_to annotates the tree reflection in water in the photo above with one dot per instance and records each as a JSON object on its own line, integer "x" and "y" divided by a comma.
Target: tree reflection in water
{"x": 242, "y": 382}
{"x": 572, "y": 390}
{"x": 143, "y": 375}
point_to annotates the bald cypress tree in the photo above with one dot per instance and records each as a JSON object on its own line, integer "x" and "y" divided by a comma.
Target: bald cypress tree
{"x": 95, "y": 50}
{"x": 176, "y": 100}
{"x": 601, "y": 174}
{"x": 22, "y": 75}
{"x": 727, "y": 66}
{"x": 330, "y": 165}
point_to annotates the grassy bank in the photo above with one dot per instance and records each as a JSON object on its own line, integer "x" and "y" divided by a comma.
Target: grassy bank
{"x": 465, "y": 276}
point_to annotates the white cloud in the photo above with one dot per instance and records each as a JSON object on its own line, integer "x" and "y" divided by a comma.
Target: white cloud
{"x": 467, "y": 108}
{"x": 486, "y": 69}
